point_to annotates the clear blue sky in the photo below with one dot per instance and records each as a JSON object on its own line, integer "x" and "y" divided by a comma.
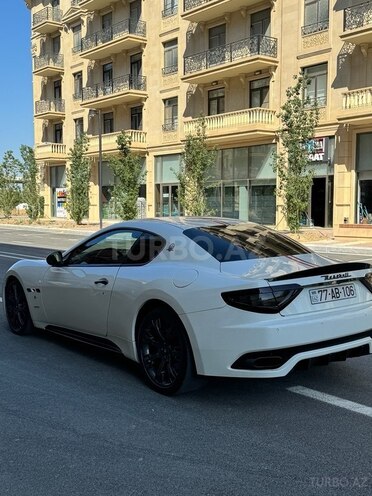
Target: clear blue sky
{"x": 16, "y": 112}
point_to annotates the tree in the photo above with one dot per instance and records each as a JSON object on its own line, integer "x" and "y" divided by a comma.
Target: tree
{"x": 10, "y": 192}
{"x": 299, "y": 117}
{"x": 197, "y": 160}
{"x": 31, "y": 189}
{"x": 78, "y": 177}
{"x": 127, "y": 169}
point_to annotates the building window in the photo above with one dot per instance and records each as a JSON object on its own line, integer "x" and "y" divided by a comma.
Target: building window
{"x": 170, "y": 114}
{"x": 107, "y": 76}
{"x": 76, "y": 38}
{"x": 316, "y": 91}
{"x": 136, "y": 118}
{"x": 79, "y": 127}
{"x": 56, "y": 45}
{"x": 106, "y": 21}
{"x": 170, "y": 57}
{"x": 108, "y": 123}
{"x": 170, "y": 8}
{"x": 78, "y": 85}
{"x": 58, "y": 89}
{"x": 216, "y": 101}
{"x": 135, "y": 68}
{"x": 58, "y": 133}
{"x": 259, "y": 93}
{"x": 316, "y": 16}
{"x": 260, "y": 23}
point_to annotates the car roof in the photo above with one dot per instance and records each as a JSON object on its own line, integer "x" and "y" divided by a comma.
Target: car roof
{"x": 181, "y": 222}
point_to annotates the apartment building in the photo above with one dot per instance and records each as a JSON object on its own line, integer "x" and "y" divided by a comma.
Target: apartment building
{"x": 152, "y": 68}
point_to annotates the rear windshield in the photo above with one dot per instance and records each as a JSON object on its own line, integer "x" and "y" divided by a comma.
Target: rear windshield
{"x": 229, "y": 243}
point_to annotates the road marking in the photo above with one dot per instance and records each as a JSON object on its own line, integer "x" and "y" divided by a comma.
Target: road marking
{"x": 1, "y": 300}
{"x": 332, "y": 400}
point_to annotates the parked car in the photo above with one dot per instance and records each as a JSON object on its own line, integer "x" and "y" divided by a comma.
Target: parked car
{"x": 188, "y": 297}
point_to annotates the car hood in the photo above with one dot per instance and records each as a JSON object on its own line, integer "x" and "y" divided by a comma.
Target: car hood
{"x": 269, "y": 268}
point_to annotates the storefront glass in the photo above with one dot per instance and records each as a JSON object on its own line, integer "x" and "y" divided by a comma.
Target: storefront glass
{"x": 364, "y": 175}
{"x": 59, "y": 191}
{"x": 241, "y": 184}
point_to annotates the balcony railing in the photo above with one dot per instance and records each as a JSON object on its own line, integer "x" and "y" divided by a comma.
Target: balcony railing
{"x": 46, "y": 106}
{"x": 75, "y": 3}
{"x": 357, "y": 99}
{"x": 171, "y": 69}
{"x": 116, "y": 85}
{"x": 170, "y": 11}
{"x": 224, "y": 54}
{"x": 128, "y": 26}
{"x": 53, "y": 14}
{"x": 315, "y": 28}
{"x": 44, "y": 150}
{"x": 234, "y": 120}
{"x": 191, "y": 4}
{"x": 170, "y": 125}
{"x": 54, "y": 60}
{"x": 358, "y": 16}
{"x": 109, "y": 140}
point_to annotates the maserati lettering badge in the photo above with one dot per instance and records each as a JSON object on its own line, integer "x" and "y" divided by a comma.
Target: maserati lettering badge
{"x": 332, "y": 277}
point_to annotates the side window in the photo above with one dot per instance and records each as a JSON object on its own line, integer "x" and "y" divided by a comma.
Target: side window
{"x": 119, "y": 247}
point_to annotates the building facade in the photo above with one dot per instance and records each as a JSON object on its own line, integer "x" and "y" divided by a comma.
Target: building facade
{"x": 152, "y": 68}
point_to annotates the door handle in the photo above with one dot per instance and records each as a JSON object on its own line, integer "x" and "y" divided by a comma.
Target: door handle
{"x": 103, "y": 281}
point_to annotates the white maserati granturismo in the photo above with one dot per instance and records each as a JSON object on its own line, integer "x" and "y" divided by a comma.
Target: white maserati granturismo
{"x": 189, "y": 297}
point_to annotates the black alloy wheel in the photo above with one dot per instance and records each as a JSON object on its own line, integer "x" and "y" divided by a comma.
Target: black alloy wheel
{"x": 164, "y": 352}
{"x": 17, "y": 311}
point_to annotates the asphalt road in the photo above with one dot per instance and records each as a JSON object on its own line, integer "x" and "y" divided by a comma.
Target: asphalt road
{"x": 78, "y": 421}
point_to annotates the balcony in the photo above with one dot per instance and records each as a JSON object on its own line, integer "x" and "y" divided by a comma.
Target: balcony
{"x": 358, "y": 24}
{"x": 231, "y": 127}
{"x": 50, "y": 109}
{"x": 47, "y": 20}
{"x": 205, "y": 10}
{"x": 241, "y": 57}
{"x": 48, "y": 65}
{"x": 109, "y": 144}
{"x": 124, "y": 35}
{"x": 91, "y": 5}
{"x": 51, "y": 152}
{"x": 357, "y": 107}
{"x": 124, "y": 89}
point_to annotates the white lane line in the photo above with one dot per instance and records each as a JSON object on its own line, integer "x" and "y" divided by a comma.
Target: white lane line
{"x": 1, "y": 300}
{"x": 332, "y": 400}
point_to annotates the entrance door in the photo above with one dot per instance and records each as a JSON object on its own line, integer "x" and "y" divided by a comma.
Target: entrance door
{"x": 169, "y": 200}
{"x": 318, "y": 199}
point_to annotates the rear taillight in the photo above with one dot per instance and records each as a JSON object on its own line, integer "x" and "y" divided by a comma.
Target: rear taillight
{"x": 367, "y": 281}
{"x": 263, "y": 300}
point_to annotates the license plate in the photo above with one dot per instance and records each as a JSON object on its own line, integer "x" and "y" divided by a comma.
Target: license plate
{"x": 332, "y": 293}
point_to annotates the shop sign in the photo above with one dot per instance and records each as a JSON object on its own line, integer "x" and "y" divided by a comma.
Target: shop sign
{"x": 318, "y": 150}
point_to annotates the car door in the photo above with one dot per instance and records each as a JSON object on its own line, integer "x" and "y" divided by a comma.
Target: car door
{"x": 77, "y": 294}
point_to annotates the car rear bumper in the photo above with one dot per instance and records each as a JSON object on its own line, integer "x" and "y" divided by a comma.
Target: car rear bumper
{"x": 233, "y": 343}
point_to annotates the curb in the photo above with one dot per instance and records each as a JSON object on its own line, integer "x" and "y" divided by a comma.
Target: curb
{"x": 334, "y": 249}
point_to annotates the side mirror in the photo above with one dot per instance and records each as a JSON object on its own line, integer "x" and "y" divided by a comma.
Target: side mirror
{"x": 55, "y": 259}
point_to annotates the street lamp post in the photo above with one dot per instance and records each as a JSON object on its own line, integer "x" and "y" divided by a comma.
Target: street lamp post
{"x": 98, "y": 113}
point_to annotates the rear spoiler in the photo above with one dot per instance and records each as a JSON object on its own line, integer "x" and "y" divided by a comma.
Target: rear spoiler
{"x": 343, "y": 268}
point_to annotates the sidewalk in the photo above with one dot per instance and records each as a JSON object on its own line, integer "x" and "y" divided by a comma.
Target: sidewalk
{"x": 316, "y": 239}
{"x": 360, "y": 246}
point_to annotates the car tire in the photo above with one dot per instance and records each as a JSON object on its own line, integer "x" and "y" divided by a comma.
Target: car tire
{"x": 16, "y": 307}
{"x": 164, "y": 353}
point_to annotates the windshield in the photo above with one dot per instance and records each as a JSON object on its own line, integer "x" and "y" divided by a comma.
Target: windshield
{"x": 229, "y": 243}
